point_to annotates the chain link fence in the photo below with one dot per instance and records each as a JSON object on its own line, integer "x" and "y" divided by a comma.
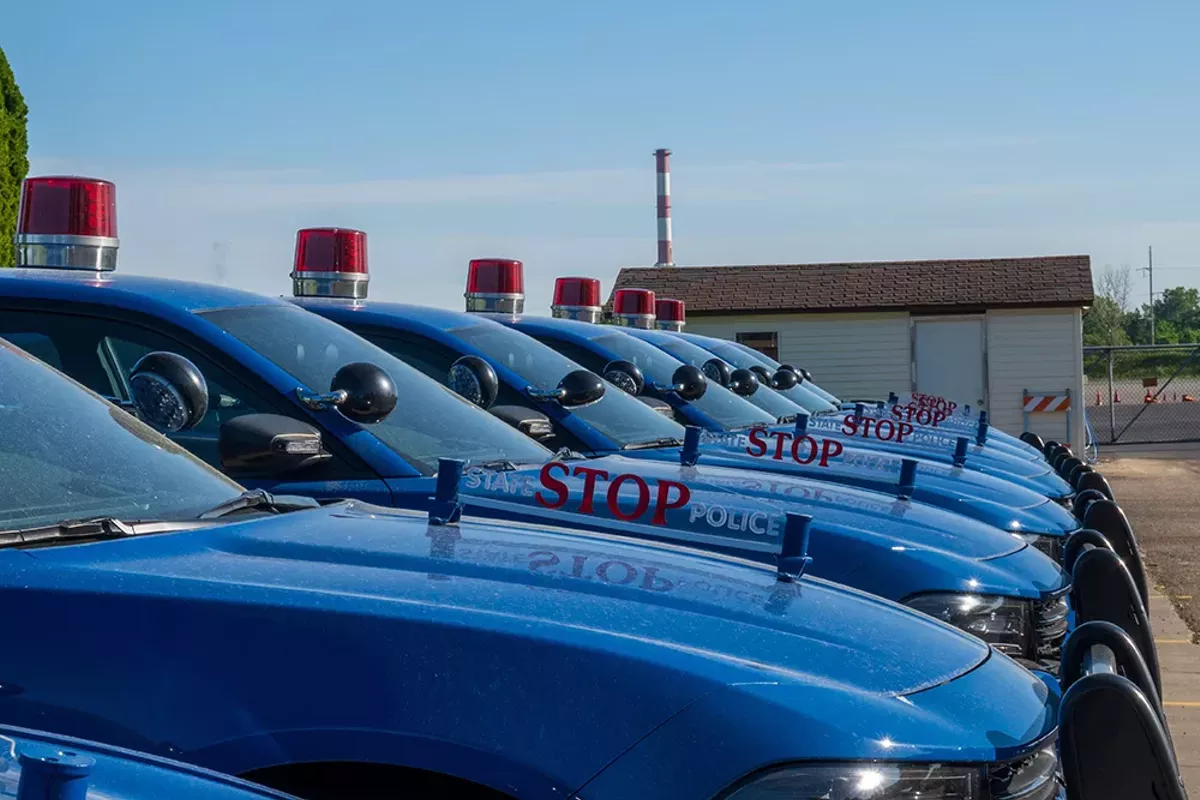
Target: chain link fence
{"x": 1138, "y": 394}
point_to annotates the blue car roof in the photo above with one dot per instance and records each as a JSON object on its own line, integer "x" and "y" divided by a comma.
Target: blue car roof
{"x": 126, "y": 291}
{"x": 388, "y": 313}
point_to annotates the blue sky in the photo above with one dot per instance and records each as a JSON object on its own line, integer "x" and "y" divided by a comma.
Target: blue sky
{"x": 801, "y": 131}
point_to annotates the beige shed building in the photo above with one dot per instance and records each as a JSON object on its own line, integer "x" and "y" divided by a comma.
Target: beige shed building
{"x": 1002, "y": 334}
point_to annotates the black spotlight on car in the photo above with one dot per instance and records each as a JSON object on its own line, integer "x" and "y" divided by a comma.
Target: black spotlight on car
{"x": 1068, "y": 465}
{"x": 1083, "y": 500}
{"x": 1029, "y": 437}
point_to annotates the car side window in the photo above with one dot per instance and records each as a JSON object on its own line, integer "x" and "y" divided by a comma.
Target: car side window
{"x": 580, "y": 355}
{"x": 100, "y": 354}
{"x": 431, "y": 358}
{"x": 434, "y": 359}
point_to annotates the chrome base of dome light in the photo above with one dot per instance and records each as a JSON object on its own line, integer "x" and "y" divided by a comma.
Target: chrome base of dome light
{"x": 347, "y": 285}
{"x": 85, "y": 253}
{"x": 673, "y": 326}
{"x": 643, "y": 321}
{"x": 592, "y": 314}
{"x": 496, "y": 303}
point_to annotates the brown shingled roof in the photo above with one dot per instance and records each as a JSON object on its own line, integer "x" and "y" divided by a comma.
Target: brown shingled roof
{"x": 919, "y": 286}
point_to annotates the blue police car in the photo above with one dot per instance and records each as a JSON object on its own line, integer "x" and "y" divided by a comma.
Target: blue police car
{"x": 597, "y": 346}
{"x": 1082, "y": 477}
{"x": 40, "y": 766}
{"x": 345, "y": 650}
{"x": 271, "y": 424}
{"x": 434, "y": 340}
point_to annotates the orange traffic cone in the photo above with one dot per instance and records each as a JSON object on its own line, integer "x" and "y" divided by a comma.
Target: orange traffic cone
{"x": 1149, "y": 398}
{"x": 1117, "y": 396}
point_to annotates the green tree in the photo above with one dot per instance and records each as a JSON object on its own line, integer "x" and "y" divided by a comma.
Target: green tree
{"x": 14, "y": 157}
{"x": 1104, "y": 324}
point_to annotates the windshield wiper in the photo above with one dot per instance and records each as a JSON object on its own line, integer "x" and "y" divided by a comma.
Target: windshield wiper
{"x": 97, "y": 528}
{"x": 501, "y": 464}
{"x": 260, "y": 500}
{"x": 668, "y": 441}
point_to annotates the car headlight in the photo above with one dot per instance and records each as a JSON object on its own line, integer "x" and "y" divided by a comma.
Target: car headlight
{"x": 865, "y": 782}
{"x": 1002, "y": 622}
{"x": 1030, "y": 777}
{"x": 1050, "y": 545}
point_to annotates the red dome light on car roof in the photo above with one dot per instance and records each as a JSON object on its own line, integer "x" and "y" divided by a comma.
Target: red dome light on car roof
{"x": 577, "y": 298}
{"x": 330, "y": 262}
{"x": 634, "y": 308}
{"x": 669, "y": 314}
{"x": 67, "y": 222}
{"x": 496, "y": 285}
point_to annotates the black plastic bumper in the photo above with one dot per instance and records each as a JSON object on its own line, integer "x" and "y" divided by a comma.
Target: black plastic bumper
{"x": 1113, "y": 738}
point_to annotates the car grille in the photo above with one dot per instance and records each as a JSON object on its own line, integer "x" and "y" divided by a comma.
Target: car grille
{"x": 1033, "y": 777}
{"x": 1050, "y": 624}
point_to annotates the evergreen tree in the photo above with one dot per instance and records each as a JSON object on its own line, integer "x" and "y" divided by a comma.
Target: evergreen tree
{"x": 14, "y": 157}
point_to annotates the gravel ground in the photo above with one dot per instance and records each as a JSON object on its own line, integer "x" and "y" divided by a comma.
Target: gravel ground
{"x": 1161, "y": 497}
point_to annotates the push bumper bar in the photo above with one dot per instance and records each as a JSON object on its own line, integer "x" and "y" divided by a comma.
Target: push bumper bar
{"x": 1113, "y": 738}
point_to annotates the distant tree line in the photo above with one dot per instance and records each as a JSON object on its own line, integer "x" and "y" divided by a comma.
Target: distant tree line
{"x": 1112, "y": 321}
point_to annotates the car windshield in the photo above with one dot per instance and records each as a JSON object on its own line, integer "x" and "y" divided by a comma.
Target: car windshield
{"x": 622, "y": 418}
{"x": 722, "y": 405}
{"x": 764, "y": 397}
{"x": 66, "y": 454}
{"x": 801, "y": 395}
{"x": 430, "y": 421}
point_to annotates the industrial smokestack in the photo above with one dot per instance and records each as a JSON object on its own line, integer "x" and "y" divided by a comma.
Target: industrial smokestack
{"x": 662, "y": 159}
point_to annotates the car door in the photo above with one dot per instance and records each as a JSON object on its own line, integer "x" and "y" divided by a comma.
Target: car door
{"x": 100, "y": 352}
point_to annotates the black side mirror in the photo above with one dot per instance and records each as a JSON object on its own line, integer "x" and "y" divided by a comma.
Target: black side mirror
{"x": 473, "y": 378}
{"x": 783, "y": 380}
{"x": 717, "y": 371}
{"x": 578, "y": 388}
{"x": 169, "y": 392}
{"x": 626, "y": 376}
{"x": 268, "y": 445}
{"x": 743, "y": 382}
{"x": 370, "y": 392}
{"x": 762, "y": 373}
{"x": 688, "y": 382}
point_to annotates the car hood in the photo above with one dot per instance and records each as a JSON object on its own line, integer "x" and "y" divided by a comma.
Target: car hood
{"x": 387, "y": 562}
{"x": 995, "y": 500}
{"x": 230, "y": 642}
{"x": 937, "y": 444}
{"x": 649, "y": 490}
{"x": 883, "y": 545}
{"x": 1018, "y": 708}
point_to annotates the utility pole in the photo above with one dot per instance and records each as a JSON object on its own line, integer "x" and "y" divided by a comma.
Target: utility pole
{"x": 1149, "y": 268}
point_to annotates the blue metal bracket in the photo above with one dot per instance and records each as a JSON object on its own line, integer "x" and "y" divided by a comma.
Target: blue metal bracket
{"x": 690, "y": 453}
{"x": 794, "y": 557}
{"x": 801, "y": 424}
{"x": 446, "y": 509}
{"x": 908, "y": 478}
{"x": 981, "y": 434}
{"x": 52, "y": 773}
{"x": 960, "y": 450}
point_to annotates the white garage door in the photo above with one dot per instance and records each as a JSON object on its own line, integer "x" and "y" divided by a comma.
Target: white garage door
{"x": 949, "y": 360}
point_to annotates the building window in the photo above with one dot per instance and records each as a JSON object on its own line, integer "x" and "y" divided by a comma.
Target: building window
{"x": 765, "y": 343}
